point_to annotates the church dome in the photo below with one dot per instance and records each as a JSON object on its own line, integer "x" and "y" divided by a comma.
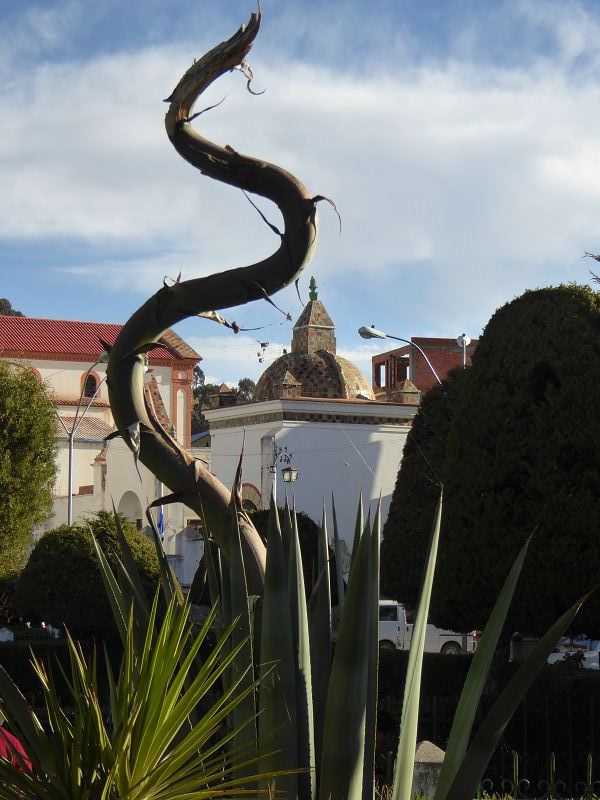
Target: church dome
{"x": 313, "y": 369}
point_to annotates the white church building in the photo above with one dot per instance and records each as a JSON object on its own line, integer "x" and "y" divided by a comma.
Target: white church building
{"x": 65, "y": 355}
{"x": 315, "y": 412}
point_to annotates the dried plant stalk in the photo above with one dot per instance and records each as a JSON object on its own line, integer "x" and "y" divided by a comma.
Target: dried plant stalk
{"x": 189, "y": 481}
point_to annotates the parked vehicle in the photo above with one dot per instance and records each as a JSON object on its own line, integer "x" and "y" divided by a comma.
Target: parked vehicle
{"x": 585, "y": 651}
{"x": 395, "y": 633}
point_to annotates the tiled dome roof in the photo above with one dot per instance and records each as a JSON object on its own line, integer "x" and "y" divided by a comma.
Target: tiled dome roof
{"x": 313, "y": 369}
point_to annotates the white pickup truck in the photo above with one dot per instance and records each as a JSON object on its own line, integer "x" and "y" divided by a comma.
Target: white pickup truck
{"x": 395, "y": 633}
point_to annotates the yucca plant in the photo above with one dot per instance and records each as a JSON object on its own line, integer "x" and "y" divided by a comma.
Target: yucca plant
{"x": 146, "y": 749}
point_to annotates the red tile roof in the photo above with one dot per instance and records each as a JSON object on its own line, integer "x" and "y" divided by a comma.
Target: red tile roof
{"x": 45, "y": 338}
{"x": 66, "y": 401}
{"x": 90, "y": 428}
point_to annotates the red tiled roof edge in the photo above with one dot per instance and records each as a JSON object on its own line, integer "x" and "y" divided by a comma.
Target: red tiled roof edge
{"x": 30, "y": 337}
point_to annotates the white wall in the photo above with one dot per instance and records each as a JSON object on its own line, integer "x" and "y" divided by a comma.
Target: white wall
{"x": 226, "y": 446}
{"x": 332, "y": 457}
{"x": 83, "y": 466}
{"x": 65, "y": 377}
{"x": 181, "y": 415}
{"x": 120, "y": 474}
{"x": 343, "y": 460}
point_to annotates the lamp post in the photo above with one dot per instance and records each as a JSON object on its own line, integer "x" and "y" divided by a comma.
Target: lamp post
{"x": 373, "y": 333}
{"x": 463, "y": 341}
{"x": 75, "y": 427}
{"x": 289, "y": 473}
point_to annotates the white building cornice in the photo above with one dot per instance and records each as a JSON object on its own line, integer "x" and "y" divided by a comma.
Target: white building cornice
{"x": 365, "y": 412}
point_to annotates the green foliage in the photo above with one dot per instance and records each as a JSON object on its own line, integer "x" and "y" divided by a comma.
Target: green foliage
{"x": 62, "y": 583}
{"x": 308, "y": 532}
{"x": 516, "y": 442}
{"x": 407, "y": 743}
{"x": 244, "y": 391}
{"x": 27, "y": 468}
{"x": 146, "y": 750}
{"x": 202, "y": 393}
{"x": 346, "y": 769}
{"x": 408, "y": 526}
{"x": 6, "y": 309}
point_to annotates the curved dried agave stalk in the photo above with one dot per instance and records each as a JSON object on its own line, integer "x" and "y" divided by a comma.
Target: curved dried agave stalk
{"x": 188, "y": 480}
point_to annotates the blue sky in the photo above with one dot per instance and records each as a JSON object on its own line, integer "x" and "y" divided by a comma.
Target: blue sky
{"x": 459, "y": 139}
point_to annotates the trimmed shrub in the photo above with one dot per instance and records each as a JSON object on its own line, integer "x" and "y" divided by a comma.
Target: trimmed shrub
{"x": 307, "y": 532}
{"x": 61, "y": 582}
{"x": 516, "y": 442}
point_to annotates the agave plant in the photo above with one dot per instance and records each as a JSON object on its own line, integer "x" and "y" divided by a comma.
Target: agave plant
{"x": 323, "y": 745}
{"x": 464, "y": 765}
{"x": 246, "y": 714}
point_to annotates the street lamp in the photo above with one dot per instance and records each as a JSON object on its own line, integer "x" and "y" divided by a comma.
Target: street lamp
{"x": 290, "y": 474}
{"x": 77, "y": 420}
{"x": 373, "y": 333}
{"x": 463, "y": 341}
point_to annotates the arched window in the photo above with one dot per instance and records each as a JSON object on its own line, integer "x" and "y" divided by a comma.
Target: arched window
{"x": 91, "y": 384}
{"x": 250, "y": 497}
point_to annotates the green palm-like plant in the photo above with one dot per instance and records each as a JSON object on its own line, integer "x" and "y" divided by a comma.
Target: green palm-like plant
{"x": 146, "y": 749}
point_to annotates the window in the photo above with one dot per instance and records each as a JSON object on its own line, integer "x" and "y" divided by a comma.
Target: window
{"x": 381, "y": 375}
{"x": 91, "y": 384}
{"x": 402, "y": 368}
{"x": 388, "y": 614}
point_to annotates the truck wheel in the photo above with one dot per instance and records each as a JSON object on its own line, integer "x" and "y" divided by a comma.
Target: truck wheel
{"x": 451, "y": 649}
{"x": 385, "y": 644}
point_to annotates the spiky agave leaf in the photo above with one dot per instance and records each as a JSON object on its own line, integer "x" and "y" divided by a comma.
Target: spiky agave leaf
{"x": 320, "y": 635}
{"x": 466, "y": 709}
{"x": 407, "y": 742}
{"x": 342, "y": 762}
{"x": 339, "y": 568}
{"x": 358, "y": 527}
{"x": 243, "y": 718}
{"x": 277, "y": 691}
{"x": 372, "y": 684}
{"x": 470, "y": 772}
{"x": 302, "y": 664}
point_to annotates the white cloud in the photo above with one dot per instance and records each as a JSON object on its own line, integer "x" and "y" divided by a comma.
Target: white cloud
{"x": 231, "y": 357}
{"x": 476, "y": 181}
{"x": 362, "y": 355}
